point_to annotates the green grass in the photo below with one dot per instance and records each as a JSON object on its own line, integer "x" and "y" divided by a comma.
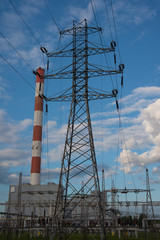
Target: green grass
{"x": 27, "y": 236}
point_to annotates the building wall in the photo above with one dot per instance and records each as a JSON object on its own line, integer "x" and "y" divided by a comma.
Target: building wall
{"x": 36, "y": 200}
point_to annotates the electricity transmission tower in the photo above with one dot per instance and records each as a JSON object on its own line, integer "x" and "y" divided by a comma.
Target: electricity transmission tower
{"x": 79, "y": 159}
{"x": 149, "y": 208}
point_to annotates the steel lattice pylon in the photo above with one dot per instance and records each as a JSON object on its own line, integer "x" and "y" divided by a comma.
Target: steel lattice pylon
{"x": 149, "y": 209}
{"x": 78, "y": 205}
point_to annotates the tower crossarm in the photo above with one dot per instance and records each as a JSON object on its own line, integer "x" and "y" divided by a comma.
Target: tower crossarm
{"x": 80, "y": 97}
{"x": 91, "y": 51}
{"x": 125, "y": 190}
{"x": 79, "y": 28}
{"x": 92, "y": 72}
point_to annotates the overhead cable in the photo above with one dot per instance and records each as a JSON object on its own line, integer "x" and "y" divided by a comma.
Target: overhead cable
{"x": 124, "y": 141}
{"x": 106, "y": 8}
{"x": 52, "y": 16}
{"x": 17, "y": 72}
{"x": 16, "y": 51}
{"x": 94, "y": 13}
{"x": 100, "y": 36}
{"x": 25, "y": 23}
{"x": 114, "y": 22}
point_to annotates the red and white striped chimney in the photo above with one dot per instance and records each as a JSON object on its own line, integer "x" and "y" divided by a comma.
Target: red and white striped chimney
{"x": 37, "y": 129}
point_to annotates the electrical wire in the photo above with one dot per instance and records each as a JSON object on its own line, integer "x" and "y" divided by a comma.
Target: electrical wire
{"x": 46, "y": 134}
{"x": 17, "y": 52}
{"x": 118, "y": 147}
{"x": 27, "y": 26}
{"x": 102, "y": 137}
{"x": 52, "y": 16}
{"x": 114, "y": 22}
{"x": 106, "y": 9}
{"x": 25, "y": 23}
{"x": 120, "y": 124}
{"x": 102, "y": 43}
{"x": 101, "y": 39}
{"x": 132, "y": 131}
{"x": 123, "y": 137}
{"x": 94, "y": 13}
{"x": 17, "y": 72}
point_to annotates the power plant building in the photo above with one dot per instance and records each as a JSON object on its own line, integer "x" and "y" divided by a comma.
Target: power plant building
{"x": 34, "y": 200}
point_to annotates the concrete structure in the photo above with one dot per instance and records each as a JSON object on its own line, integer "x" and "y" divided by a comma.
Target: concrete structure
{"x": 33, "y": 199}
{"x": 36, "y": 200}
{"x": 37, "y": 129}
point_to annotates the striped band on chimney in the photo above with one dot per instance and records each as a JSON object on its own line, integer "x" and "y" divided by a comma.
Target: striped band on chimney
{"x": 37, "y": 129}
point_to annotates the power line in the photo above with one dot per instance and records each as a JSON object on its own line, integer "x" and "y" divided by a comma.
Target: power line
{"x": 114, "y": 22}
{"x": 123, "y": 137}
{"x": 102, "y": 42}
{"x": 25, "y": 23}
{"x": 17, "y": 72}
{"x": 16, "y": 51}
{"x": 27, "y": 26}
{"x": 100, "y": 36}
{"x": 94, "y": 13}
{"x": 52, "y": 16}
{"x": 108, "y": 19}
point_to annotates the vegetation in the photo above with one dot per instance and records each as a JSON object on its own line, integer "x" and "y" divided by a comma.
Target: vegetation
{"x": 124, "y": 236}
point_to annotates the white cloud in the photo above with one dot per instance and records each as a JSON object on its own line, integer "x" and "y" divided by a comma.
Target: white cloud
{"x": 141, "y": 94}
{"x": 28, "y": 11}
{"x": 6, "y": 177}
{"x": 147, "y": 91}
{"x": 151, "y": 121}
{"x": 15, "y": 156}
{"x": 33, "y": 56}
{"x": 3, "y": 90}
{"x": 156, "y": 170}
{"x": 55, "y": 134}
{"x": 9, "y": 129}
{"x": 86, "y": 12}
{"x": 81, "y": 13}
{"x": 54, "y": 154}
{"x": 8, "y": 18}
{"x": 141, "y": 131}
{"x": 134, "y": 127}
{"x": 127, "y": 12}
{"x": 14, "y": 146}
{"x": 14, "y": 29}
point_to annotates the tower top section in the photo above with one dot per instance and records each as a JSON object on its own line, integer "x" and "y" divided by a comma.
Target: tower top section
{"x": 80, "y": 48}
{"x": 80, "y": 27}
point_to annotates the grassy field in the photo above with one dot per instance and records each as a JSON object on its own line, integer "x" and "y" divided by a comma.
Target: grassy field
{"x": 124, "y": 236}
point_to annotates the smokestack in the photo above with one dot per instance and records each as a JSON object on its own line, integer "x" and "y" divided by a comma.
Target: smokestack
{"x": 37, "y": 129}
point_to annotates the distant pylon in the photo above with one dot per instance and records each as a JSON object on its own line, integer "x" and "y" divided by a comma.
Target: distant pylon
{"x": 149, "y": 208}
{"x": 103, "y": 196}
{"x": 19, "y": 201}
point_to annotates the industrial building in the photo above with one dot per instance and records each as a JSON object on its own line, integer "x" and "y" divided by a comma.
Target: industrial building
{"x": 35, "y": 200}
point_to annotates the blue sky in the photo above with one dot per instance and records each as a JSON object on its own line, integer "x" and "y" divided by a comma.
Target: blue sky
{"x": 137, "y": 23}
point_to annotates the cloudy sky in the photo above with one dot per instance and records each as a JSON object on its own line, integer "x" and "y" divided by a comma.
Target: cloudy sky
{"x": 126, "y": 143}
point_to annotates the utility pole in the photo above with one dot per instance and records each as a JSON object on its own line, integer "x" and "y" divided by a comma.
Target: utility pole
{"x": 104, "y": 197}
{"x": 19, "y": 201}
{"x": 113, "y": 199}
{"x": 79, "y": 158}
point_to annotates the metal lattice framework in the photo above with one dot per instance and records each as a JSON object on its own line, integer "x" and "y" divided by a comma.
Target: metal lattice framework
{"x": 78, "y": 205}
{"x": 149, "y": 208}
